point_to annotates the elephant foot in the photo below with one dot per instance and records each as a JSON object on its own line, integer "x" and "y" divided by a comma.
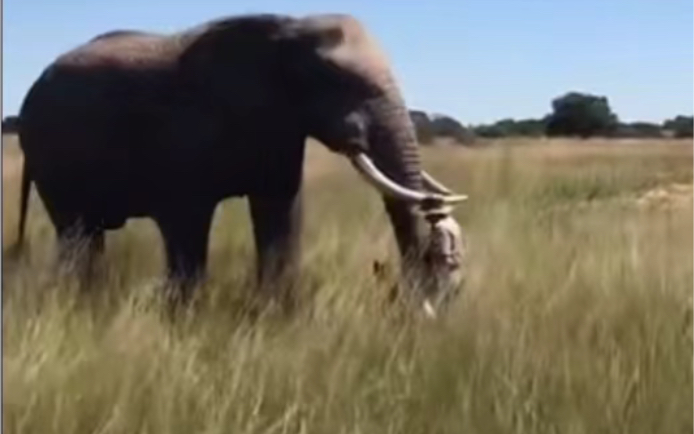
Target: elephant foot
{"x": 180, "y": 291}
{"x": 277, "y": 297}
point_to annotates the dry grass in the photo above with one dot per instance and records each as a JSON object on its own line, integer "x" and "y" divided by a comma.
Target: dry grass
{"x": 576, "y": 317}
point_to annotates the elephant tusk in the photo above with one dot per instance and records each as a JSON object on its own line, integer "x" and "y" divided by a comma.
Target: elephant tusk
{"x": 368, "y": 170}
{"x": 433, "y": 185}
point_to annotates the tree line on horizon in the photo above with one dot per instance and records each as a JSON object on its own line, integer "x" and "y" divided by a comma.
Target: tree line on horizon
{"x": 573, "y": 114}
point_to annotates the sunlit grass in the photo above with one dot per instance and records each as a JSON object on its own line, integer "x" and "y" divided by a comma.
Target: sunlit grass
{"x": 576, "y": 317}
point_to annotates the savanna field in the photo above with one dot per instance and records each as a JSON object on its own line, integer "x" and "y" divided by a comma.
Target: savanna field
{"x": 576, "y": 316}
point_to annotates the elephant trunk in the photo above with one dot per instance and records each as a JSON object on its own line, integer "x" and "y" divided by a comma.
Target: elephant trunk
{"x": 394, "y": 149}
{"x": 430, "y": 260}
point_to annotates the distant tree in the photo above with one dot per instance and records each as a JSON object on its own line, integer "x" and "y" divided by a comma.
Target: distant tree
{"x": 422, "y": 124}
{"x": 10, "y": 125}
{"x": 647, "y": 129}
{"x": 512, "y": 128}
{"x": 491, "y": 131}
{"x": 581, "y": 114}
{"x": 429, "y": 128}
{"x": 681, "y": 126}
{"x": 446, "y": 126}
{"x": 528, "y": 127}
{"x": 638, "y": 130}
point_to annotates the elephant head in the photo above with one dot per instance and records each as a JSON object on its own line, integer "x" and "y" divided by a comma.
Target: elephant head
{"x": 352, "y": 104}
{"x": 334, "y": 81}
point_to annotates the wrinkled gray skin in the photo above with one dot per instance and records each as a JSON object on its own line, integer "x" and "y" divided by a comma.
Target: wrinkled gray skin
{"x": 133, "y": 124}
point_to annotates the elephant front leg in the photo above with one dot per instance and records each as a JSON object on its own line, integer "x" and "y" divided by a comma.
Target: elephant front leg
{"x": 277, "y": 225}
{"x": 185, "y": 231}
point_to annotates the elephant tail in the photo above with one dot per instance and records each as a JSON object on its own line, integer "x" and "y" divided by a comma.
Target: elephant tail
{"x": 23, "y": 204}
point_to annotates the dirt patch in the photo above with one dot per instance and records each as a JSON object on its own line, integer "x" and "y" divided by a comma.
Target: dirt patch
{"x": 673, "y": 195}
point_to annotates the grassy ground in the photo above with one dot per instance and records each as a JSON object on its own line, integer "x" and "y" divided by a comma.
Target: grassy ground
{"x": 576, "y": 317}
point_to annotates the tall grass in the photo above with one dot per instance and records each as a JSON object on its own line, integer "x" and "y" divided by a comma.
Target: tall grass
{"x": 576, "y": 316}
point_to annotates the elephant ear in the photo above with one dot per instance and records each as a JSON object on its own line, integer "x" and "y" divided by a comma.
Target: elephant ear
{"x": 233, "y": 63}
{"x": 337, "y": 51}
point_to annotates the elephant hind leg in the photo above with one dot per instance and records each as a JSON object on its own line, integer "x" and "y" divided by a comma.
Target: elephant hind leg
{"x": 185, "y": 231}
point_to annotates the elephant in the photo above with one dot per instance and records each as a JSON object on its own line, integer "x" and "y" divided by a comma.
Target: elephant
{"x": 165, "y": 126}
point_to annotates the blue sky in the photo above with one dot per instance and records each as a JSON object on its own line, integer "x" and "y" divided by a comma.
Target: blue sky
{"x": 477, "y": 60}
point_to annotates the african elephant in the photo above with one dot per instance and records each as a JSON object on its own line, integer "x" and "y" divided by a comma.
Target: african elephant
{"x": 135, "y": 124}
